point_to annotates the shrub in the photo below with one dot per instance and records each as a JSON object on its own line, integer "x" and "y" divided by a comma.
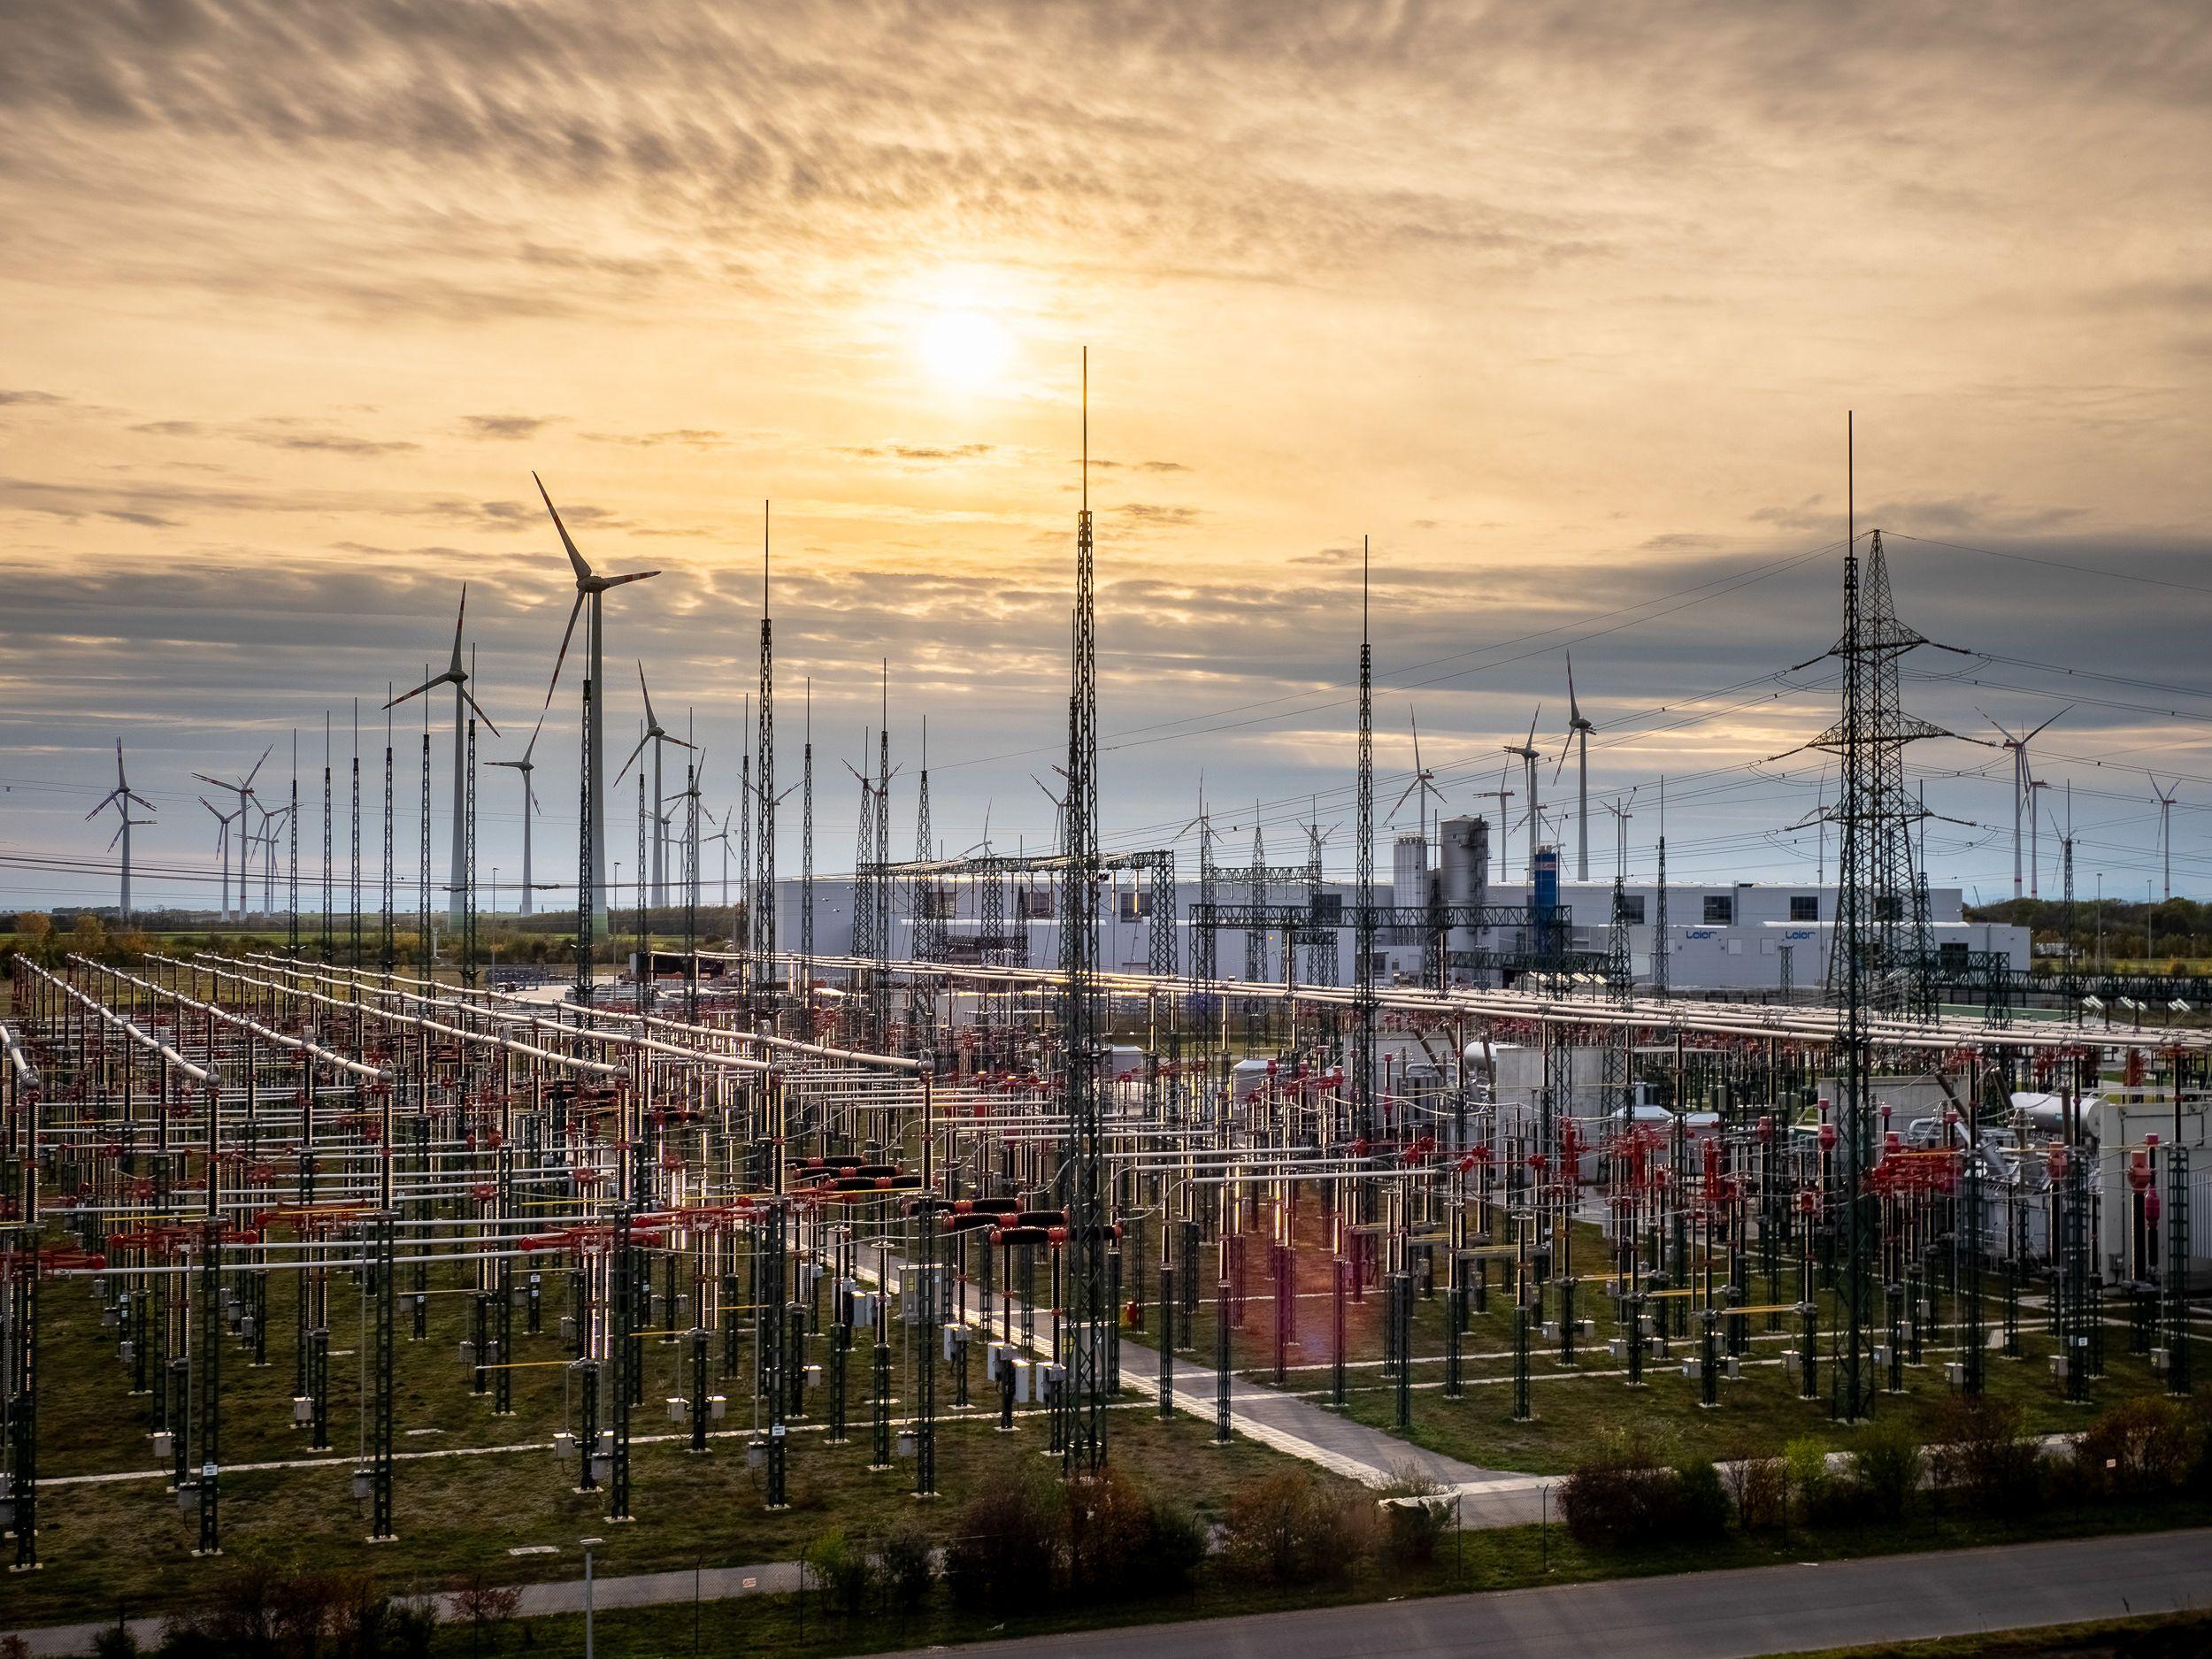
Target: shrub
{"x": 909, "y": 1563}
{"x": 1982, "y": 1450}
{"x": 1701, "y": 1499}
{"x": 1009, "y": 1543}
{"x": 1621, "y": 1494}
{"x": 1415, "y": 1515}
{"x": 1288, "y": 1527}
{"x": 1176, "y": 1545}
{"x": 1757, "y": 1486}
{"x": 2140, "y": 1448}
{"x": 1110, "y": 1526}
{"x": 1885, "y": 1466}
{"x": 115, "y": 1642}
{"x": 1804, "y": 1462}
{"x": 845, "y": 1574}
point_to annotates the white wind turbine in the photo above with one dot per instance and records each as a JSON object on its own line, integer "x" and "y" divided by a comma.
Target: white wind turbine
{"x": 120, "y": 798}
{"x": 1530, "y": 755}
{"x": 244, "y": 790}
{"x": 457, "y": 675}
{"x": 658, "y": 737}
{"x": 591, "y": 586}
{"x": 1579, "y": 729}
{"x": 2024, "y": 788}
{"x": 1418, "y": 791}
{"x": 222, "y": 846}
{"x": 526, "y": 766}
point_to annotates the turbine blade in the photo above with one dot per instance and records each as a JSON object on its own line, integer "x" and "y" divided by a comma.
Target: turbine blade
{"x": 478, "y": 707}
{"x": 457, "y": 621}
{"x": 634, "y": 576}
{"x": 2046, "y": 725}
{"x": 652, "y": 720}
{"x": 626, "y": 764}
{"x": 247, "y": 787}
{"x": 575, "y": 612}
{"x": 118, "y": 836}
{"x": 1391, "y": 816}
{"x": 426, "y": 685}
{"x": 576, "y": 559}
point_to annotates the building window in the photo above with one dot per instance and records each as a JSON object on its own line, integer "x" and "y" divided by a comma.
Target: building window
{"x": 1133, "y": 905}
{"x": 1720, "y": 909}
{"x": 1889, "y": 907}
{"x": 1036, "y": 904}
{"x": 1633, "y": 909}
{"x": 1804, "y": 907}
{"x": 1331, "y": 907}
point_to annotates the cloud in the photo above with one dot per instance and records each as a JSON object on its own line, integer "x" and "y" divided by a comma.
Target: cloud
{"x": 22, "y": 398}
{"x": 919, "y": 452}
{"x": 1156, "y": 516}
{"x": 506, "y": 426}
{"x": 692, "y": 437}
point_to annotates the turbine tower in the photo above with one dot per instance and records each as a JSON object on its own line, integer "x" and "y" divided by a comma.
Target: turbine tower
{"x": 244, "y": 790}
{"x": 1530, "y": 755}
{"x": 1579, "y": 729}
{"x": 2165, "y": 832}
{"x": 2024, "y": 788}
{"x": 120, "y": 798}
{"x": 659, "y": 737}
{"x": 457, "y": 675}
{"x": 222, "y": 846}
{"x": 526, "y": 766}
{"x": 591, "y": 586}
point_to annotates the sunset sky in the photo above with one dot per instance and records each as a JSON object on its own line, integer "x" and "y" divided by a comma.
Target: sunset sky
{"x": 1564, "y": 306}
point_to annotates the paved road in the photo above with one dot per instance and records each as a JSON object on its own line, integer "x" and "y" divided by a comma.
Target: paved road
{"x": 1706, "y": 1616}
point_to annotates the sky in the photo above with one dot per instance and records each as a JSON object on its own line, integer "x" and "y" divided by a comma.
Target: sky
{"x": 1561, "y": 308}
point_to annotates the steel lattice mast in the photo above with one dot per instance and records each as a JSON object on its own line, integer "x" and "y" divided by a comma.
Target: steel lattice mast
{"x": 763, "y": 928}
{"x": 1088, "y": 1309}
{"x": 1363, "y": 932}
{"x": 1871, "y": 967}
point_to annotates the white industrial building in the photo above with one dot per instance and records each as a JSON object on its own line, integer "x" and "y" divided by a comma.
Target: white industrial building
{"x": 1740, "y": 937}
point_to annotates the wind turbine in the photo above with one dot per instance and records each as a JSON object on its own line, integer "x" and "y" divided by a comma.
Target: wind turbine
{"x": 1419, "y": 790}
{"x": 2165, "y": 828}
{"x": 526, "y": 766}
{"x": 1530, "y": 755}
{"x": 244, "y": 790}
{"x": 658, "y": 737}
{"x": 120, "y": 798}
{"x": 457, "y": 675}
{"x": 1579, "y": 729}
{"x": 591, "y": 586}
{"x": 222, "y": 846}
{"x": 2023, "y": 786}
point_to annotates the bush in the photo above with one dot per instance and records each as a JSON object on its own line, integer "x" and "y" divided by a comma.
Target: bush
{"x": 1702, "y": 1499}
{"x": 908, "y": 1563}
{"x": 1415, "y": 1515}
{"x": 1109, "y": 1526}
{"x": 115, "y": 1642}
{"x": 1983, "y": 1452}
{"x": 845, "y": 1574}
{"x": 1287, "y": 1527}
{"x": 1621, "y": 1493}
{"x": 1758, "y": 1487}
{"x": 1804, "y": 1462}
{"x": 1009, "y": 1543}
{"x": 1887, "y": 1466}
{"x": 2140, "y": 1448}
{"x": 1176, "y": 1545}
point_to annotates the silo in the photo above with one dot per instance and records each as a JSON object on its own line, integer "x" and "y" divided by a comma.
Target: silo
{"x": 1463, "y": 872}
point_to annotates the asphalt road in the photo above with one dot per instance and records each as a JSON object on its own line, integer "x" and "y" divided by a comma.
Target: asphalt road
{"x": 1733, "y": 1615}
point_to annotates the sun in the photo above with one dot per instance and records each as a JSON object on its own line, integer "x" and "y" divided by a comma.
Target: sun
{"x": 965, "y": 347}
